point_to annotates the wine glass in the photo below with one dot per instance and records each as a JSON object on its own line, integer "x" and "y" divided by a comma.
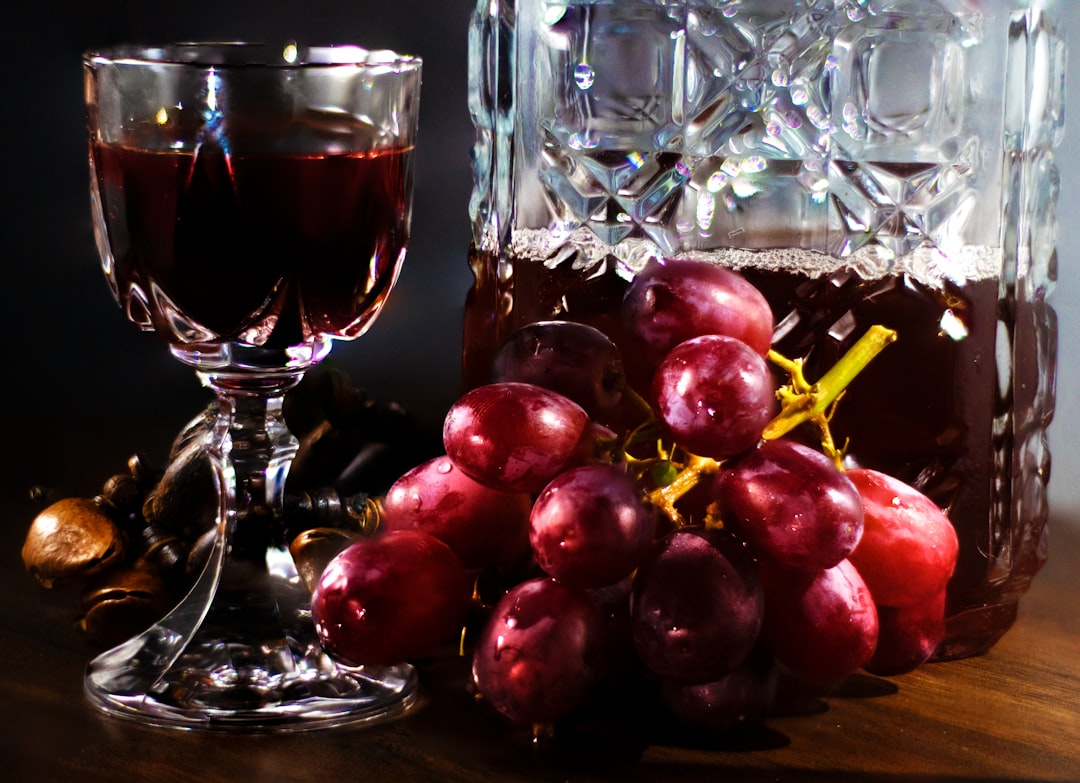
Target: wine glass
{"x": 252, "y": 204}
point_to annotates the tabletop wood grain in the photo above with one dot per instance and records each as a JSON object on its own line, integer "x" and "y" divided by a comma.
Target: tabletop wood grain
{"x": 1010, "y": 715}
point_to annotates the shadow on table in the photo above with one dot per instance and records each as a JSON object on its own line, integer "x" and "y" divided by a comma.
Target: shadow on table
{"x": 637, "y": 741}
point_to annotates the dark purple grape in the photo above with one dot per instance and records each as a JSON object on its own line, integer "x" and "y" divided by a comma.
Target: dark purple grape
{"x": 672, "y": 301}
{"x": 514, "y": 437}
{"x": 573, "y": 359}
{"x": 483, "y": 526}
{"x": 697, "y": 606}
{"x": 714, "y": 395}
{"x": 907, "y": 636}
{"x": 822, "y": 626}
{"x": 590, "y": 527}
{"x": 390, "y": 598}
{"x": 742, "y": 696}
{"x": 792, "y": 504}
{"x": 539, "y": 653}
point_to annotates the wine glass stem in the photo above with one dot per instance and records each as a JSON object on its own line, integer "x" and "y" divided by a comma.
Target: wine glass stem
{"x": 251, "y": 450}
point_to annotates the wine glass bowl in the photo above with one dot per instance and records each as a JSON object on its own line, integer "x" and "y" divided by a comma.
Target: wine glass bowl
{"x": 251, "y": 205}
{"x": 250, "y": 196}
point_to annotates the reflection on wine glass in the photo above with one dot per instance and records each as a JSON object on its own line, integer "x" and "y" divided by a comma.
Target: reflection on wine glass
{"x": 251, "y": 204}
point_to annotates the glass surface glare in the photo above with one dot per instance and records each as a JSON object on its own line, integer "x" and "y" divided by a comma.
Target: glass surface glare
{"x": 251, "y": 204}
{"x": 861, "y": 162}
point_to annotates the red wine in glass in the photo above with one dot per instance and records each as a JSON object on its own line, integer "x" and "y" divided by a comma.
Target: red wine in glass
{"x": 264, "y": 249}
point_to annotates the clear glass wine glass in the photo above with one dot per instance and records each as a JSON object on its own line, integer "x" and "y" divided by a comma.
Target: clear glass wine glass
{"x": 252, "y": 204}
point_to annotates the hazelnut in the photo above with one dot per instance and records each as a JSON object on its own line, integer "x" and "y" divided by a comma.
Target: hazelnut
{"x": 72, "y": 538}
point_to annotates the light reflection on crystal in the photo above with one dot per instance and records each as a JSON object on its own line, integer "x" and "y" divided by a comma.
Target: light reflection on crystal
{"x": 584, "y": 76}
{"x": 952, "y": 326}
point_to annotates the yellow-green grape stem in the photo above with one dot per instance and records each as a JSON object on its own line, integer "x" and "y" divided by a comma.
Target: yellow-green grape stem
{"x": 828, "y": 445}
{"x": 801, "y": 402}
{"x": 695, "y": 470}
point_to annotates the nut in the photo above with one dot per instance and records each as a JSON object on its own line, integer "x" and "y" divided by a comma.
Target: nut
{"x": 123, "y": 602}
{"x": 72, "y": 538}
{"x": 123, "y": 492}
{"x": 185, "y": 500}
{"x": 313, "y": 549}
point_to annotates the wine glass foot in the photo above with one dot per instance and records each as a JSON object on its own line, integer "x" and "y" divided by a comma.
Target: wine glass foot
{"x": 229, "y": 685}
{"x": 240, "y": 653}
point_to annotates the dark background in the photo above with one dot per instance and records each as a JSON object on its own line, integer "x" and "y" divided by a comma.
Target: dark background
{"x": 85, "y": 388}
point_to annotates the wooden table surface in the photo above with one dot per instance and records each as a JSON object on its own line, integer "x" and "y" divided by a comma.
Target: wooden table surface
{"x": 1011, "y": 715}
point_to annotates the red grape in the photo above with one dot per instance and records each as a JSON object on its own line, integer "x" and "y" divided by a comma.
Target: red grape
{"x": 907, "y": 636}
{"x": 908, "y": 550}
{"x": 674, "y": 300}
{"x": 714, "y": 396}
{"x": 483, "y": 526}
{"x": 743, "y": 695}
{"x": 538, "y": 655}
{"x": 390, "y": 598}
{"x": 822, "y": 626}
{"x": 590, "y": 526}
{"x": 515, "y": 437}
{"x": 697, "y": 606}
{"x": 791, "y": 504}
{"x": 573, "y": 359}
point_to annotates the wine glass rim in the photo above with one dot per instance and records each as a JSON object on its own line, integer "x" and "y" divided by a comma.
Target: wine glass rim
{"x": 251, "y": 54}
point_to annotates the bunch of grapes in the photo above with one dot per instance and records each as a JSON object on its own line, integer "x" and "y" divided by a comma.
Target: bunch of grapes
{"x": 703, "y": 548}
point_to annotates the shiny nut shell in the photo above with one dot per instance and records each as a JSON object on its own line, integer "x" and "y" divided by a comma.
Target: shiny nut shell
{"x": 72, "y": 538}
{"x": 123, "y": 602}
{"x": 185, "y": 499}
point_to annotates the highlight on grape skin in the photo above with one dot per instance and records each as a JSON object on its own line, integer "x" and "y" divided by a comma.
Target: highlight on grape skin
{"x": 483, "y": 526}
{"x": 513, "y": 436}
{"x": 792, "y": 505}
{"x": 824, "y": 625}
{"x": 393, "y": 597}
{"x": 714, "y": 395}
{"x": 589, "y": 527}
{"x": 674, "y": 300}
{"x": 539, "y": 653}
{"x": 909, "y": 548}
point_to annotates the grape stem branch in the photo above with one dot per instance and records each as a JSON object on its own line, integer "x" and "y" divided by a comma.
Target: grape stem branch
{"x": 695, "y": 470}
{"x": 802, "y": 401}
